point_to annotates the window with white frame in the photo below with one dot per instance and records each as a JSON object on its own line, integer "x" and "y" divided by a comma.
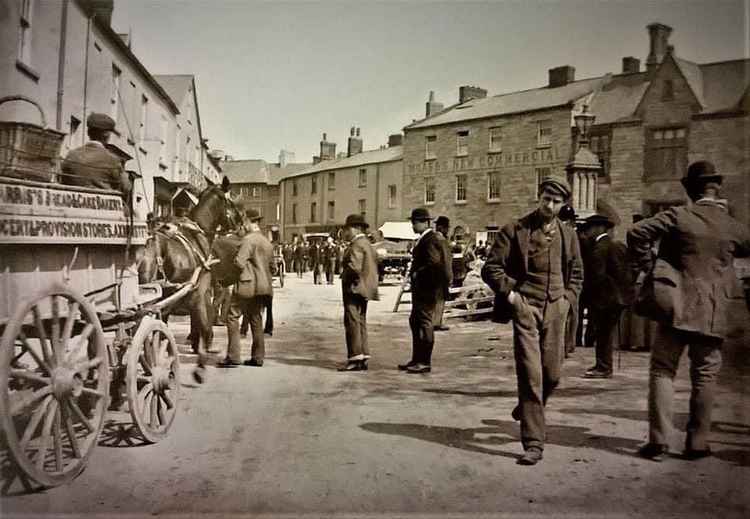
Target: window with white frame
{"x": 493, "y": 186}
{"x": 362, "y": 206}
{"x": 496, "y": 139}
{"x": 544, "y": 133}
{"x": 462, "y": 143}
{"x": 256, "y": 192}
{"x": 294, "y": 188}
{"x": 540, "y": 174}
{"x": 115, "y": 99}
{"x": 313, "y": 211}
{"x": 294, "y": 213}
{"x": 331, "y": 180}
{"x": 429, "y": 190}
{"x": 460, "y": 188}
{"x": 24, "y": 32}
{"x": 430, "y": 144}
{"x": 363, "y": 177}
{"x": 392, "y": 196}
{"x": 144, "y": 121}
{"x": 332, "y": 210}
{"x": 313, "y": 185}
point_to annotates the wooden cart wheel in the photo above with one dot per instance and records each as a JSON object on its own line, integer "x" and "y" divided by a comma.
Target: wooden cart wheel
{"x": 54, "y": 384}
{"x": 153, "y": 381}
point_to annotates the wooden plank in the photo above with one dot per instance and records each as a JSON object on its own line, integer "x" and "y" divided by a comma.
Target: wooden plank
{"x": 465, "y": 313}
{"x": 475, "y": 301}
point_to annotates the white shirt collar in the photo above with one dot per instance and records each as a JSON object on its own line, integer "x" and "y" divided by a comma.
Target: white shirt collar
{"x": 95, "y": 143}
{"x": 429, "y": 229}
{"x": 362, "y": 235}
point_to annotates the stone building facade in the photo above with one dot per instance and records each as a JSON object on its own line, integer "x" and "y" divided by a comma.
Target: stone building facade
{"x": 320, "y": 197}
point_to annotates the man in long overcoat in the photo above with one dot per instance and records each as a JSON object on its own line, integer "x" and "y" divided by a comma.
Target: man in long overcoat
{"x": 534, "y": 268}
{"x": 691, "y": 283}
{"x": 428, "y": 279}
{"x": 608, "y": 283}
{"x": 442, "y": 228}
{"x": 359, "y": 285}
{"x": 251, "y": 293}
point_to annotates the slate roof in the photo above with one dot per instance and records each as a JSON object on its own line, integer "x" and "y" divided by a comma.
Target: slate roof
{"x": 724, "y": 84}
{"x": 276, "y": 172}
{"x": 360, "y": 159}
{"x": 514, "y": 102}
{"x": 693, "y": 76}
{"x": 176, "y": 85}
{"x": 619, "y": 97}
{"x": 246, "y": 171}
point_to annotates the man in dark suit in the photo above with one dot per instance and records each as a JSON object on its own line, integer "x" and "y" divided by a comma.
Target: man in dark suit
{"x": 359, "y": 284}
{"x": 692, "y": 281}
{"x": 535, "y": 269}
{"x": 608, "y": 283}
{"x": 428, "y": 278}
{"x": 442, "y": 228}
{"x": 92, "y": 164}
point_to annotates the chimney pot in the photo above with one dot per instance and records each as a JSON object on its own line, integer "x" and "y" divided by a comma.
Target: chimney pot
{"x": 351, "y": 131}
{"x": 324, "y": 136}
{"x": 432, "y": 96}
{"x": 658, "y": 44}
{"x": 357, "y": 132}
{"x": 631, "y": 65}
{"x": 467, "y": 93}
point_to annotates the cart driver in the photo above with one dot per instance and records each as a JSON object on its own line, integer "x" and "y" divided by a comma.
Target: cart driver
{"x": 92, "y": 165}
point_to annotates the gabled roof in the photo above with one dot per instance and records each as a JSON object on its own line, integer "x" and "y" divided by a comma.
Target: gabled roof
{"x": 511, "y": 103}
{"x": 724, "y": 84}
{"x": 276, "y": 172}
{"x": 391, "y": 154}
{"x": 246, "y": 171}
{"x": 176, "y": 85}
{"x": 618, "y": 99}
{"x": 692, "y": 73}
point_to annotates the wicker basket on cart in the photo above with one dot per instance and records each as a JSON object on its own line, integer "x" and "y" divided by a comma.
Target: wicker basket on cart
{"x": 29, "y": 151}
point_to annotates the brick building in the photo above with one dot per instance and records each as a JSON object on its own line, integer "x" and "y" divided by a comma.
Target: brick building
{"x": 320, "y": 197}
{"x": 479, "y": 161}
{"x": 255, "y": 185}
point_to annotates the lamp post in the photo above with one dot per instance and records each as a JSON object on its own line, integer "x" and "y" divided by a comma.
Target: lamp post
{"x": 584, "y": 169}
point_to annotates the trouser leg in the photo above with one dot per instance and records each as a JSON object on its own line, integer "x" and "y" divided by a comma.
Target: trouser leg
{"x": 269, "y": 314}
{"x": 606, "y": 331}
{"x": 528, "y": 359}
{"x": 352, "y": 326}
{"x": 552, "y": 343}
{"x": 665, "y": 358}
{"x": 363, "y": 330}
{"x": 571, "y": 329}
{"x": 255, "y": 307}
{"x": 236, "y": 307}
{"x": 425, "y": 312}
{"x": 705, "y": 364}
{"x": 437, "y": 318}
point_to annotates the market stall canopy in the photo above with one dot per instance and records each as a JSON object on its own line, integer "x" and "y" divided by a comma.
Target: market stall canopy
{"x": 398, "y": 231}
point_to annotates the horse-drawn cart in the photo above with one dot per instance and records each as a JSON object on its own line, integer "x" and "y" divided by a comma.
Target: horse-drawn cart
{"x": 75, "y": 324}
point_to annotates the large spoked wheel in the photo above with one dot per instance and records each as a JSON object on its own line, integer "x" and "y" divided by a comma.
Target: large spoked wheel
{"x": 153, "y": 381}
{"x": 54, "y": 385}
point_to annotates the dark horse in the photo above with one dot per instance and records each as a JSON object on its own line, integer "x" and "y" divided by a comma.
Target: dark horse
{"x": 174, "y": 256}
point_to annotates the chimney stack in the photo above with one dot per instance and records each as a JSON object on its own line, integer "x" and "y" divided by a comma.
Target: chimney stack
{"x": 354, "y": 144}
{"x": 395, "y": 139}
{"x": 561, "y": 76}
{"x": 631, "y": 65}
{"x": 432, "y": 107}
{"x": 658, "y": 44}
{"x": 467, "y": 93}
{"x": 327, "y": 149}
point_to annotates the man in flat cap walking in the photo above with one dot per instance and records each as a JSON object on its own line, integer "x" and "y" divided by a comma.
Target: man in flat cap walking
{"x": 428, "y": 278}
{"x": 359, "y": 284}
{"x": 691, "y": 283}
{"x": 92, "y": 165}
{"x": 535, "y": 269}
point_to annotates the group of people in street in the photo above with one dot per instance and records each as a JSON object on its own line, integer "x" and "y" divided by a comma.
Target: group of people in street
{"x": 322, "y": 257}
{"x": 543, "y": 268}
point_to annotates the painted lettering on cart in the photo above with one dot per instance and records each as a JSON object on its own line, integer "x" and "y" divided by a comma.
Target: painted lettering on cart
{"x": 60, "y": 228}
{"x": 36, "y": 196}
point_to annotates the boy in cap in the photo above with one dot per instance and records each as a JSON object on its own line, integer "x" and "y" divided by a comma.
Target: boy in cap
{"x": 693, "y": 279}
{"x": 92, "y": 165}
{"x": 428, "y": 277}
{"x": 535, "y": 269}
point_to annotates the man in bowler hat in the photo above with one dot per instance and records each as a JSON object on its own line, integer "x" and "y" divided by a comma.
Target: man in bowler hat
{"x": 359, "y": 284}
{"x": 692, "y": 282}
{"x": 534, "y": 268}
{"x": 92, "y": 165}
{"x": 428, "y": 278}
{"x": 608, "y": 283}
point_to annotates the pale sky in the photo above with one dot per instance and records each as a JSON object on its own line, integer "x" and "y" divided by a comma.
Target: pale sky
{"x": 273, "y": 75}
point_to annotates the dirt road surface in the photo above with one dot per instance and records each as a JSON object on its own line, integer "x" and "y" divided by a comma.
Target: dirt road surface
{"x": 296, "y": 437}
